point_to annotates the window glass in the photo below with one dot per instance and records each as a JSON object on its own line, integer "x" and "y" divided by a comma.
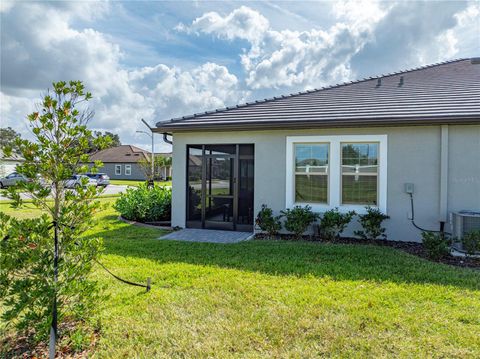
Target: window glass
{"x": 194, "y": 177}
{"x": 195, "y": 150}
{"x": 246, "y": 169}
{"x": 219, "y": 179}
{"x": 360, "y": 173}
{"x": 128, "y": 170}
{"x": 247, "y": 150}
{"x": 311, "y": 188}
{"x": 311, "y": 172}
{"x": 220, "y": 149}
{"x": 118, "y": 169}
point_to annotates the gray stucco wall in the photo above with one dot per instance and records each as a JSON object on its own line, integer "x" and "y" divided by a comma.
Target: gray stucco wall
{"x": 137, "y": 172}
{"x": 109, "y": 169}
{"x": 464, "y": 168}
{"x": 413, "y": 156}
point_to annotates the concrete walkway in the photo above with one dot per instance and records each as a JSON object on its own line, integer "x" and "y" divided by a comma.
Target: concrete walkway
{"x": 208, "y": 236}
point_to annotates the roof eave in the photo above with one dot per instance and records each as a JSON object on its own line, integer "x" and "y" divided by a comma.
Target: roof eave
{"x": 275, "y": 124}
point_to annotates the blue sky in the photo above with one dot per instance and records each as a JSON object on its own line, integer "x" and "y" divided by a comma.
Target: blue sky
{"x": 157, "y": 60}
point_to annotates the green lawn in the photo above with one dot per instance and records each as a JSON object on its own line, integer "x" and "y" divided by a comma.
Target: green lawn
{"x": 136, "y": 183}
{"x": 279, "y": 299}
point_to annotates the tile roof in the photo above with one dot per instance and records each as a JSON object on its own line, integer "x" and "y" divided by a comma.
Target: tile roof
{"x": 123, "y": 154}
{"x": 448, "y": 92}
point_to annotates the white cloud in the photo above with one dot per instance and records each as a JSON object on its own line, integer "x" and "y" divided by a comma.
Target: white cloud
{"x": 360, "y": 14}
{"x": 242, "y": 23}
{"x": 412, "y": 34}
{"x": 301, "y": 59}
{"x": 50, "y": 41}
{"x": 465, "y": 35}
{"x": 13, "y": 111}
{"x": 40, "y": 46}
{"x": 292, "y": 58}
{"x": 6, "y": 5}
{"x": 367, "y": 38}
{"x": 31, "y": 60}
{"x": 172, "y": 92}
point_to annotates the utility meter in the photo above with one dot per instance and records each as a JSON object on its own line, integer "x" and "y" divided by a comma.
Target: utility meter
{"x": 409, "y": 188}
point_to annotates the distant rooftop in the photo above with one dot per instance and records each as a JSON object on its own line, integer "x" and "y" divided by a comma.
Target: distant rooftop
{"x": 447, "y": 92}
{"x": 123, "y": 154}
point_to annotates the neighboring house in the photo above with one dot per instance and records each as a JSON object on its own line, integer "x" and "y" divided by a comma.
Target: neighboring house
{"x": 345, "y": 146}
{"x": 122, "y": 162}
{"x": 9, "y": 164}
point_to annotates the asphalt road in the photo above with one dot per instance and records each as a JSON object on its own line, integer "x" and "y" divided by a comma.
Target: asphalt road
{"x": 109, "y": 190}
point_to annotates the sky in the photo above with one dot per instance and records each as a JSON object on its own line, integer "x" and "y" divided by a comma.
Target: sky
{"x": 157, "y": 59}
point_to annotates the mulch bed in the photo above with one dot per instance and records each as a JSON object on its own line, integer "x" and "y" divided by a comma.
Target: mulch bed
{"x": 413, "y": 248}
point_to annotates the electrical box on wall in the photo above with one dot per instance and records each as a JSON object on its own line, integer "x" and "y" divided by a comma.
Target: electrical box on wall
{"x": 409, "y": 188}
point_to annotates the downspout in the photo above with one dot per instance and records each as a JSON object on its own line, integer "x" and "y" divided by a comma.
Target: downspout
{"x": 165, "y": 139}
{"x": 443, "y": 208}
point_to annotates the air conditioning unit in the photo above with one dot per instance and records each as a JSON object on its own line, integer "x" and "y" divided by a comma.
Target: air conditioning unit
{"x": 463, "y": 222}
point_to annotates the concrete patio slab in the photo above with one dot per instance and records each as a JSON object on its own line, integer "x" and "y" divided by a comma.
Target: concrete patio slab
{"x": 208, "y": 236}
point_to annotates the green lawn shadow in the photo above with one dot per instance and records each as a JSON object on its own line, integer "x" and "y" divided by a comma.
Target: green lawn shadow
{"x": 337, "y": 261}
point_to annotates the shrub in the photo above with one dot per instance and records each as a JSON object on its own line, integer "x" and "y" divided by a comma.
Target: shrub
{"x": 143, "y": 204}
{"x": 372, "y": 224}
{"x": 267, "y": 221}
{"x": 333, "y": 223}
{"x": 437, "y": 245}
{"x": 297, "y": 219}
{"x": 471, "y": 242}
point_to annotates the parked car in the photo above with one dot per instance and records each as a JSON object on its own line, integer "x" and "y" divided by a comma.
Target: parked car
{"x": 101, "y": 178}
{"x": 76, "y": 181}
{"x": 12, "y": 179}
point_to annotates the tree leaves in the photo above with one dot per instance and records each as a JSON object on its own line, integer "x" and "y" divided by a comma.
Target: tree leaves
{"x": 26, "y": 257}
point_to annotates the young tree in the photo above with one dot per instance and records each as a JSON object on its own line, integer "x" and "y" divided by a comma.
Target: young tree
{"x": 45, "y": 262}
{"x": 163, "y": 161}
{"x": 159, "y": 162}
{"x": 167, "y": 161}
{"x": 146, "y": 168}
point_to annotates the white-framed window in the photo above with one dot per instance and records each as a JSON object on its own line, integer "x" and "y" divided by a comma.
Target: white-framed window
{"x": 118, "y": 170}
{"x": 311, "y": 172}
{"x": 348, "y": 172}
{"x": 128, "y": 170}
